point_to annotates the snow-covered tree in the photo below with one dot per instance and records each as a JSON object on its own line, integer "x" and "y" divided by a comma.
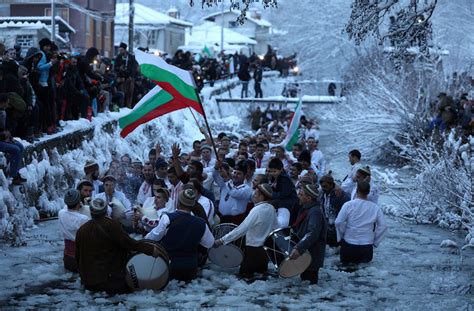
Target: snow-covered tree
{"x": 409, "y": 22}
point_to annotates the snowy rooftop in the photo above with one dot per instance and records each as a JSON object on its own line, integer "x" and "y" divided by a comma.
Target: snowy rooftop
{"x": 31, "y": 25}
{"x": 145, "y": 15}
{"x": 63, "y": 25}
{"x": 259, "y": 22}
{"x": 210, "y": 33}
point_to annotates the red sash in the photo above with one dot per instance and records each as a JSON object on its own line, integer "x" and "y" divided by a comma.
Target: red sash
{"x": 70, "y": 248}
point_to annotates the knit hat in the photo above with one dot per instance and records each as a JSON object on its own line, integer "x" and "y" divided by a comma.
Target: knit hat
{"x": 98, "y": 207}
{"x": 44, "y": 42}
{"x": 160, "y": 163}
{"x": 266, "y": 189}
{"x": 311, "y": 190}
{"x": 123, "y": 45}
{"x": 72, "y": 197}
{"x": 187, "y": 198}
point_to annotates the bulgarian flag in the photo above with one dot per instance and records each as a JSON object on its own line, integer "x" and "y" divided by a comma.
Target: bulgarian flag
{"x": 293, "y": 134}
{"x": 174, "y": 91}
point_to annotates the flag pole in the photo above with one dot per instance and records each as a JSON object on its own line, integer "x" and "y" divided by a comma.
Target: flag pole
{"x": 207, "y": 123}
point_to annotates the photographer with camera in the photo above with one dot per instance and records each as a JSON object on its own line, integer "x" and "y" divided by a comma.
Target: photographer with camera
{"x": 126, "y": 68}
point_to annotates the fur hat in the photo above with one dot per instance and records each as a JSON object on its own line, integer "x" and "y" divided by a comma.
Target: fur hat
{"x": 72, "y": 197}
{"x": 266, "y": 189}
{"x": 98, "y": 207}
{"x": 311, "y": 190}
{"x": 187, "y": 198}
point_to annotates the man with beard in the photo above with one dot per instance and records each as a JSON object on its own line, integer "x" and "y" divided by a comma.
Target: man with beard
{"x": 310, "y": 226}
{"x": 85, "y": 190}
{"x": 146, "y": 189}
{"x": 91, "y": 169}
{"x": 331, "y": 202}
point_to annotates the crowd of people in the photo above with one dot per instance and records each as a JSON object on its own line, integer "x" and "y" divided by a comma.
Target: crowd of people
{"x": 177, "y": 198}
{"x": 454, "y": 113}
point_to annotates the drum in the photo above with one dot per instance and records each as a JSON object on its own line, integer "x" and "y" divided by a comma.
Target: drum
{"x": 147, "y": 272}
{"x": 85, "y": 210}
{"x": 278, "y": 247}
{"x": 230, "y": 255}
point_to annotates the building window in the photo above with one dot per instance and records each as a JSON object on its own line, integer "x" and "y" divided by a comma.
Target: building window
{"x": 88, "y": 24}
{"x": 63, "y": 12}
{"x": 25, "y": 41}
{"x": 232, "y": 24}
{"x": 151, "y": 38}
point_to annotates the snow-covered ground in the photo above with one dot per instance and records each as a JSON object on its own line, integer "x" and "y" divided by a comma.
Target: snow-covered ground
{"x": 411, "y": 270}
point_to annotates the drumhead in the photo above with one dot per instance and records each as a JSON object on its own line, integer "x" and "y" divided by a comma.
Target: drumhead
{"x": 163, "y": 253}
{"x": 220, "y": 230}
{"x": 146, "y": 272}
{"x": 293, "y": 267}
{"x": 226, "y": 256}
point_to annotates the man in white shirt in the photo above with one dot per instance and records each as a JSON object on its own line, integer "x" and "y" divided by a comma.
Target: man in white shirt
{"x": 235, "y": 193}
{"x": 120, "y": 206}
{"x": 145, "y": 190}
{"x": 207, "y": 160}
{"x": 360, "y": 226}
{"x": 261, "y": 158}
{"x": 70, "y": 220}
{"x": 317, "y": 157}
{"x": 180, "y": 233}
{"x": 349, "y": 183}
{"x": 256, "y": 227}
{"x": 364, "y": 174}
{"x": 309, "y": 131}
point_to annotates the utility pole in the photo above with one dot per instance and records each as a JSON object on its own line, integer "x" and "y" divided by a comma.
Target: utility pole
{"x": 53, "y": 20}
{"x": 222, "y": 27}
{"x": 131, "y": 7}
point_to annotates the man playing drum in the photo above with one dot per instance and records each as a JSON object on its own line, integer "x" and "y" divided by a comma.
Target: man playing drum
{"x": 256, "y": 227}
{"x": 70, "y": 220}
{"x": 181, "y": 233}
{"x": 102, "y": 247}
{"x": 311, "y": 227}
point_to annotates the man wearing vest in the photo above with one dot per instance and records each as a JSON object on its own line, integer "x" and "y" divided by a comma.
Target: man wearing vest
{"x": 181, "y": 233}
{"x": 102, "y": 249}
{"x": 310, "y": 226}
{"x": 256, "y": 227}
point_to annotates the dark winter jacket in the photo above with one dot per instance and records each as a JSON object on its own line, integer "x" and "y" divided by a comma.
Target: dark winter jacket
{"x": 312, "y": 232}
{"x": 284, "y": 193}
{"x": 336, "y": 202}
{"x": 102, "y": 248}
{"x": 258, "y": 74}
{"x": 126, "y": 66}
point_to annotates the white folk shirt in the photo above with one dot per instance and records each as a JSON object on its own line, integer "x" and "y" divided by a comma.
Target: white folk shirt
{"x": 311, "y": 133}
{"x": 317, "y": 159}
{"x": 161, "y": 229}
{"x": 145, "y": 191}
{"x": 361, "y": 222}
{"x": 233, "y": 199}
{"x": 70, "y": 222}
{"x": 348, "y": 184}
{"x": 373, "y": 195}
{"x": 256, "y": 227}
{"x": 208, "y": 207}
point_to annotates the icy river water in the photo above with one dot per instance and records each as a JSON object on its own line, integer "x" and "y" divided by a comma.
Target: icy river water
{"x": 410, "y": 271}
